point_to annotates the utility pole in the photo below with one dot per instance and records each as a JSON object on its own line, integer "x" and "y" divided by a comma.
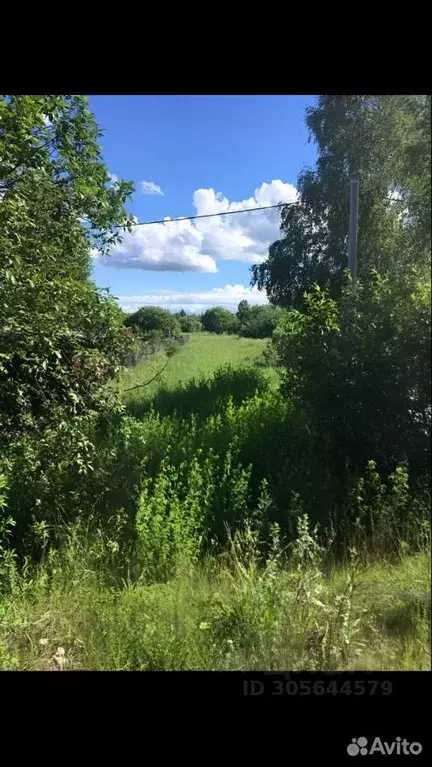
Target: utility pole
{"x": 353, "y": 225}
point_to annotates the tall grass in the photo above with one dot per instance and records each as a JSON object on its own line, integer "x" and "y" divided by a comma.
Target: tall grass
{"x": 234, "y": 610}
{"x": 199, "y": 358}
{"x": 206, "y": 534}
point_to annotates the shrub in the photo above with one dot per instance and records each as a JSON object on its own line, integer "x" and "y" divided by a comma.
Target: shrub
{"x": 260, "y": 321}
{"x": 209, "y": 395}
{"x": 360, "y": 373}
{"x": 219, "y": 320}
{"x": 62, "y": 340}
{"x": 189, "y": 323}
{"x": 153, "y": 318}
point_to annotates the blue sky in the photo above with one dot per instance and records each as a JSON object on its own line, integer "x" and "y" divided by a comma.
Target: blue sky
{"x": 189, "y": 155}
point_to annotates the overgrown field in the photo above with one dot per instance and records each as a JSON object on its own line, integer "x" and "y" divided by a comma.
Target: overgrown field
{"x": 206, "y": 557}
{"x": 199, "y": 358}
{"x": 226, "y": 613}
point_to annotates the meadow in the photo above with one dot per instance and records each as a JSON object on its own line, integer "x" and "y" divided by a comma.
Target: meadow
{"x": 200, "y": 357}
{"x": 197, "y": 565}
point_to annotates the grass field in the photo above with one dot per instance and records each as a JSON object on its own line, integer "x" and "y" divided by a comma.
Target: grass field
{"x": 201, "y": 356}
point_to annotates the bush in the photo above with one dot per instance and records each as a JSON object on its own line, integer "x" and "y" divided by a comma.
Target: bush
{"x": 260, "y": 321}
{"x": 153, "y": 318}
{"x": 360, "y": 373}
{"x": 62, "y": 340}
{"x": 219, "y": 320}
{"x": 172, "y": 346}
{"x": 189, "y": 324}
{"x": 208, "y": 396}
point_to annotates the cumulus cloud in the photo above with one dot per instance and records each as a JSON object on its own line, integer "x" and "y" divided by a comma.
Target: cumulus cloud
{"x": 174, "y": 246}
{"x": 149, "y": 187}
{"x": 184, "y": 245}
{"x": 195, "y": 302}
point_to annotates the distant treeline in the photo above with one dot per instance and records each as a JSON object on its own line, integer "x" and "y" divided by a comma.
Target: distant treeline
{"x": 153, "y": 322}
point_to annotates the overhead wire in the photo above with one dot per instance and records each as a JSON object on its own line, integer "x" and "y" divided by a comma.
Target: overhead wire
{"x": 211, "y": 215}
{"x": 281, "y": 204}
{"x": 168, "y": 220}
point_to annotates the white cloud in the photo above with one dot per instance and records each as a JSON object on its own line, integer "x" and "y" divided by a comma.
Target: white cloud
{"x": 47, "y": 121}
{"x": 184, "y": 245}
{"x": 195, "y": 302}
{"x": 149, "y": 187}
{"x": 113, "y": 178}
{"x": 174, "y": 246}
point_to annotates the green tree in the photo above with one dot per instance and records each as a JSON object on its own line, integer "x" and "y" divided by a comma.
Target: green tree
{"x": 385, "y": 141}
{"x": 190, "y": 324}
{"x": 61, "y": 339}
{"x": 219, "y": 320}
{"x": 150, "y": 319}
{"x": 359, "y": 371}
{"x": 261, "y": 321}
{"x": 243, "y": 311}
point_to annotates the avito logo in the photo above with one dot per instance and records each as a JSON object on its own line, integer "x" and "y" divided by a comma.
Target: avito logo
{"x": 399, "y": 747}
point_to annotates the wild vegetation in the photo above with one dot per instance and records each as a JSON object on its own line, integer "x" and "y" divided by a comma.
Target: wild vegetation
{"x": 228, "y": 502}
{"x": 249, "y": 321}
{"x": 202, "y": 354}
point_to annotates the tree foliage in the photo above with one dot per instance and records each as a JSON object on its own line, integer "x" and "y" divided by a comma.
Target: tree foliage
{"x": 360, "y": 372}
{"x": 385, "y": 141}
{"x": 219, "y": 320}
{"x": 189, "y": 323}
{"x": 249, "y": 321}
{"x": 243, "y": 312}
{"x": 149, "y": 319}
{"x": 259, "y": 321}
{"x": 61, "y": 339}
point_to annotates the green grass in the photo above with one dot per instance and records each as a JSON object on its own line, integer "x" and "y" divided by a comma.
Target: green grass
{"x": 155, "y": 598}
{"x": 223, "y": 614}
{"x": 199, "y": 358}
